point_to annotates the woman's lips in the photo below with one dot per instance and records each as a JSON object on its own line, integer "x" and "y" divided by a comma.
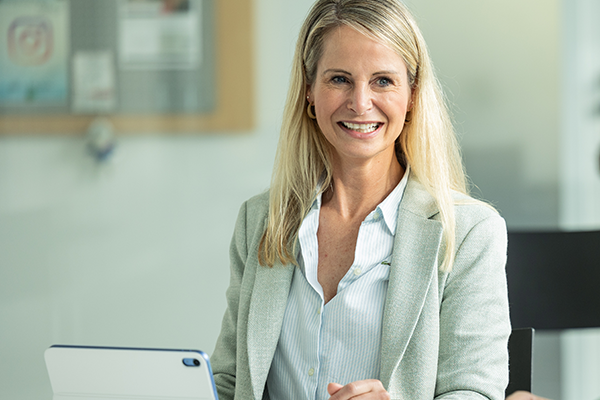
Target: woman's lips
{"x": 361, "y": 127}
{"x": 363, "y": 130}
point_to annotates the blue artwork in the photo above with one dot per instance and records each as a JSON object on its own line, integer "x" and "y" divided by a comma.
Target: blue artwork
{"x": 34, "y": 49}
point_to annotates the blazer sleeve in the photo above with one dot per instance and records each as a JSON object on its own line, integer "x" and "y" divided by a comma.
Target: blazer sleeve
{"x": 474, "y": 316}
{"x": 224, "y": 357}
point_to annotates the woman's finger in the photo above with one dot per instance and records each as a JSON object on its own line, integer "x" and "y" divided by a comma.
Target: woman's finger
{"x": 366, "y": 389}
{"x": 333, "y": 388}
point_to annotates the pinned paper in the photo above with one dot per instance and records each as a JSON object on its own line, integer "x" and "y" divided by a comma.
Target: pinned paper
{"x": 94, "y": 82}
{"x": 159, "y": 34}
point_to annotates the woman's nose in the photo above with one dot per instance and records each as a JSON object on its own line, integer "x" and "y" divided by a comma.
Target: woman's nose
{"x": 360, "y": 99}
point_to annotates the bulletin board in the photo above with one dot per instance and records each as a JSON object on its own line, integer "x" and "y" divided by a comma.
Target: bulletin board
{"x": 146, "y": 65}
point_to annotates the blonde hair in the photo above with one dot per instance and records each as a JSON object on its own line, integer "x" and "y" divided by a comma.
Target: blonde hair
{"x": 427, "y": 143}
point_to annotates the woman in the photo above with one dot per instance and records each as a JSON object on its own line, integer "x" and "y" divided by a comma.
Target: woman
{"x": 366, "y": 270}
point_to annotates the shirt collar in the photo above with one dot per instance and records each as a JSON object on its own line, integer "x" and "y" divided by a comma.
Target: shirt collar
{"x": 388, "y": 207}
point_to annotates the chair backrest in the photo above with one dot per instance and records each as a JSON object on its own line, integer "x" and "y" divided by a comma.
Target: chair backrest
{"x": 520, "y": 360}
{"x": 553, "y": 279}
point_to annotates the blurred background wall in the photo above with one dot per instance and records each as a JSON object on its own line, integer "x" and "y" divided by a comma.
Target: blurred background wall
{"x": 134, "y": 252}
{"x": 500, "y": 68}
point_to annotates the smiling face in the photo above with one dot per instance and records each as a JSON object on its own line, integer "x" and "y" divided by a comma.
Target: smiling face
{"x": 361, "y": 95}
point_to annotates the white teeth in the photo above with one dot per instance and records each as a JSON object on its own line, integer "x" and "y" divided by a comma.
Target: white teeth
{"x": 362, "y": 128}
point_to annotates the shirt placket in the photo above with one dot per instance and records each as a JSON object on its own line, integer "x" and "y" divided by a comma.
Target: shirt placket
{"x": 309, "y": 245}
{"x": 360, "y": 266}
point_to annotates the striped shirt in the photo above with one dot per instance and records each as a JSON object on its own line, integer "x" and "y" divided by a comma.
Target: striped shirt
{"x": 338, "y": 341}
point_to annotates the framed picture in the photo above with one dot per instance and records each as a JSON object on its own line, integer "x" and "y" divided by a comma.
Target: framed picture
{"x": 146, "y": 65}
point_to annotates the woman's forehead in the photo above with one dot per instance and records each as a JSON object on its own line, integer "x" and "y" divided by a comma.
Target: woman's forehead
{"x": 347, "y": 48}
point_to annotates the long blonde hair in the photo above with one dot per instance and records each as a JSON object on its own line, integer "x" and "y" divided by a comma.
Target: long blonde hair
{"x": 427, "y": 143}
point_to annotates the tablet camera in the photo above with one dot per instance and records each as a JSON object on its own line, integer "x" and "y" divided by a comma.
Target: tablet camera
{"x": 191, "y": 362}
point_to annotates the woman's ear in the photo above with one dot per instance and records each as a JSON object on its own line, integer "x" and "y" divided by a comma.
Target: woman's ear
{"x": 308, "y": 93}
{"x": 413, "y": 94}
{"x": 411, "y": 101}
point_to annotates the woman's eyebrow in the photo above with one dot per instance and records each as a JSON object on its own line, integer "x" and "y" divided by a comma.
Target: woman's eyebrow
{"x": 342, "y": 71}
{"x": 390, "y": 72}
{"x": 336, "y": 71}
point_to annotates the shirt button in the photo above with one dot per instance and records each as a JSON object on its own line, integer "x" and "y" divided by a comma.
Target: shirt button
{"x": 311, "y": 372}
{"x": 319, "y": 310}
{"x": 357, "y": 271}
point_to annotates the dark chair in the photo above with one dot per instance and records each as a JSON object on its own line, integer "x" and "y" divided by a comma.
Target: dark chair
{"x": 553, "y": 282}
{"x": 520, "y": 360}
{"x": 553, "y": 279}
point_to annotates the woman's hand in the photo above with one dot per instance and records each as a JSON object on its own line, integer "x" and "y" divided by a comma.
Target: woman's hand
{"x": 521, "y": 395}
{"x": 363, "y": 390}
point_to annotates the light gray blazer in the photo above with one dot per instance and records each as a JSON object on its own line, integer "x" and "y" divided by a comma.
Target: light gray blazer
{"x": 444, "y": 335}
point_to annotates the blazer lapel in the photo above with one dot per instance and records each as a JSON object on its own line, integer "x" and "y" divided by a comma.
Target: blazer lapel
{"x": 414, "y": 263}
{"x": 267, "y": 306}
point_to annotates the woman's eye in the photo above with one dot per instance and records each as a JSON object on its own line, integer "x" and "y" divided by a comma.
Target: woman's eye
{"x": 339, "y": 79}
{"x": 384, "y": 82}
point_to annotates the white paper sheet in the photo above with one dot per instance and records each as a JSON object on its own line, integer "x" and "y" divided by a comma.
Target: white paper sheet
{"x": 159, "y": 34}
{"x": 93, "y": 82}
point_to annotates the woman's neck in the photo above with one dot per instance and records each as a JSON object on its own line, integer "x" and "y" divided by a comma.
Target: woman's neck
{"x": 358, "y": 188}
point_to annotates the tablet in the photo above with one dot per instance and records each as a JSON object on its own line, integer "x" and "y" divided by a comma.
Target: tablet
{"x": 84, "y": 372}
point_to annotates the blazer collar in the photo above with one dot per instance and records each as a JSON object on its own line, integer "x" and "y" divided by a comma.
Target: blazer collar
{"x": 414, "y": 264}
